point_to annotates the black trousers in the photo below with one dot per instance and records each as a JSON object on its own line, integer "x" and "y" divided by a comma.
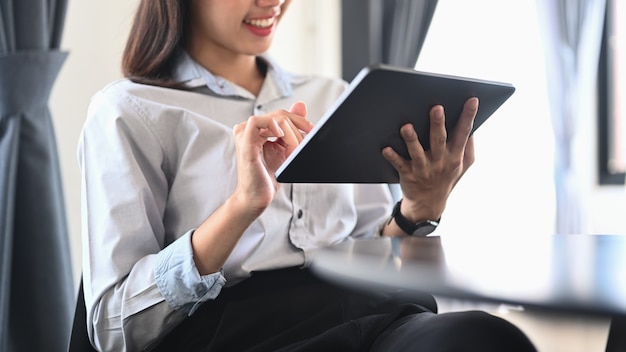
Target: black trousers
{"x": 292, "y": 310}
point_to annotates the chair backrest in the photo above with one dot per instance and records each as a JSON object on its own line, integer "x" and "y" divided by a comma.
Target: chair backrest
{"x": 79, "y": 340}
{"x": 616, "y": 341}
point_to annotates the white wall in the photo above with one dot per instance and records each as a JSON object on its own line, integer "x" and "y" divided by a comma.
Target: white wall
{"x": 510, "y": 185}
{"x": 507, "y": 190}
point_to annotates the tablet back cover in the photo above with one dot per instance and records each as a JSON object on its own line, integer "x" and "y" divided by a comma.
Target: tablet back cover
{"x": 346, "y": 144}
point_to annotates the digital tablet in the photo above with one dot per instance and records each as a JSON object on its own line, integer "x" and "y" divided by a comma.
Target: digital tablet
{"x": 345, "y": 146}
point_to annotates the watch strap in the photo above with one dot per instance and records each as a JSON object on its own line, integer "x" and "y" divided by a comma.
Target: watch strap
{"x": 421, "y": 228}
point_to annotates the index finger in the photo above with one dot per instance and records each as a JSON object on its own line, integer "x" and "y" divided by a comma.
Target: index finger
{"x": 300, "y": 122}
{"x": 464, "y": 126}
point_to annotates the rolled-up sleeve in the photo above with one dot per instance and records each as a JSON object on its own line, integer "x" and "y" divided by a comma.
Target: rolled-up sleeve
{"x": 178, "y": 278}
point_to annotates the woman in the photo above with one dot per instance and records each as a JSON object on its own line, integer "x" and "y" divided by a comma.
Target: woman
{"x": 189, "y": 241}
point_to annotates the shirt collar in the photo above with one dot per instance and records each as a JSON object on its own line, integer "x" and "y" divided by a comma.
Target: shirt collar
{"x": 194, "y": 75}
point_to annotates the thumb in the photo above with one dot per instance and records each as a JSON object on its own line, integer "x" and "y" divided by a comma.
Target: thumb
{"x": 298, "y": 108}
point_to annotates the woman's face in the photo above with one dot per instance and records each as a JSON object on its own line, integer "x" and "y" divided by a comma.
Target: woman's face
{"x": 235, "y": 26}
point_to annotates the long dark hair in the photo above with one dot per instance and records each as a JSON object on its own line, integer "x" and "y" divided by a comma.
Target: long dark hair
{"x": 157, "y": 35}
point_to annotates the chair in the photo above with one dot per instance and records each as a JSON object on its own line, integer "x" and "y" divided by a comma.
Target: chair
{"x": 616, "y": 340}
{"x": 79, "y": 340}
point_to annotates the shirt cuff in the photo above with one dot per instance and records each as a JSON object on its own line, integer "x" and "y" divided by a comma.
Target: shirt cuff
{"x": 178, "y": 279}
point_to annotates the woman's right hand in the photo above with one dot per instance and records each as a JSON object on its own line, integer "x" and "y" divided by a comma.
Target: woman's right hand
{"x": 263, "y": 143}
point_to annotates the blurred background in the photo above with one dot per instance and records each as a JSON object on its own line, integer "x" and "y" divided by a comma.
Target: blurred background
{"x": 517, "y": 184}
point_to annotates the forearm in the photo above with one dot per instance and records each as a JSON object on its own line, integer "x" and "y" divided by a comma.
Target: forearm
{"x": 214, "y": 240}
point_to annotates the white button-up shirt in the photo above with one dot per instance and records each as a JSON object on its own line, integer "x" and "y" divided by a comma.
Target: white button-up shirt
{"x": 156, "y": 162}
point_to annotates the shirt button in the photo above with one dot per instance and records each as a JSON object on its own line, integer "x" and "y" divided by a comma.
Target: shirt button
{"x": 300, "y": 212}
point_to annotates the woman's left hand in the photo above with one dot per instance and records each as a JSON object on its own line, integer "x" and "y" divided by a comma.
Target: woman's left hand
{"x": 429, "y": 176}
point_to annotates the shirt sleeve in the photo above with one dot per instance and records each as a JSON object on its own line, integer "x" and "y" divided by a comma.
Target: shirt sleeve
{"x": 178, "y": 278}
{"x": 373, "y": 204}
{"x": 137, "y": 286}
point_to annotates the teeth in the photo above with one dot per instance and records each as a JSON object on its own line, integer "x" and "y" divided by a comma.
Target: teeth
{"x": 261, "y": 23}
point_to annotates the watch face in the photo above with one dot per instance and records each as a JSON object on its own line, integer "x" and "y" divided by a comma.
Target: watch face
{"x": 425, "y": 228}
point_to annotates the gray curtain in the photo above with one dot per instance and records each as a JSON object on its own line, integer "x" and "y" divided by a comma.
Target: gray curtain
{"x": 383, "y": 31}
{"x": 571, "y": 31}
{"x": 36, "y": 285}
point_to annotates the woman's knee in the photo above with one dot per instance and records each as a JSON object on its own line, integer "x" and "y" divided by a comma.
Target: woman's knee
{"x": 455, "y": 331}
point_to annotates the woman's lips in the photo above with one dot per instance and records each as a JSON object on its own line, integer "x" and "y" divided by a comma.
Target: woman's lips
{"x": 260, "y": 26}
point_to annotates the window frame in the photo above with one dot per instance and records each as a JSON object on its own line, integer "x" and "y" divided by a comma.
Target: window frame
{"x": 606, "y": 118}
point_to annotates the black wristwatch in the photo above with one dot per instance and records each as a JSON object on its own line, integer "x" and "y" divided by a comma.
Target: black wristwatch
{"x": 422, "y": 228}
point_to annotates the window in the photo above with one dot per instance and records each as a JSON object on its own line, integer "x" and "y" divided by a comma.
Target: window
{"x": 612, "y": 96}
